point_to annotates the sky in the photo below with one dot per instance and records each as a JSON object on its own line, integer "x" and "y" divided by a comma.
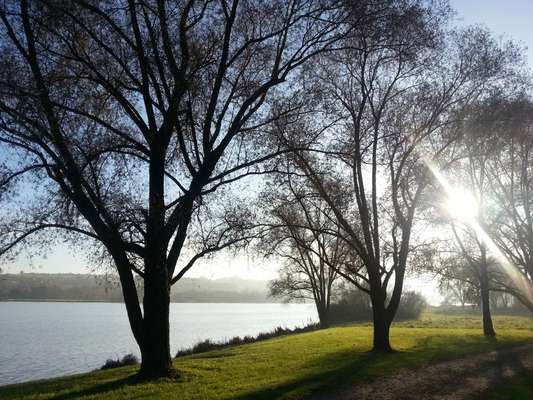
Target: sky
{"x": 509, "y": 19}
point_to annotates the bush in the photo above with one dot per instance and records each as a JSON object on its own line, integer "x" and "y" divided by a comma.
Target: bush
{"x": 411, "y": 306}
{"x": 208, "y": 345}
{"x": 354, "y": 306}
{"x": 128, "y": 359}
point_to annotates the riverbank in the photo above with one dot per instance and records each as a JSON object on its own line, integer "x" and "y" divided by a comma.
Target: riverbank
{"x": 290, "y": 366}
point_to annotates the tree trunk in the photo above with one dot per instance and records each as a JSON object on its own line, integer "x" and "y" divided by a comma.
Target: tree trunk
{"x": 488, "y": 327}
{"x": 381, "y": 339}
{"x": 155, "y": 346}
{"x": 323, "y": 316}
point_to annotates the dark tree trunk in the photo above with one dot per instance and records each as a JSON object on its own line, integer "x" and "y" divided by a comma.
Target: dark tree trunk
{"x": 383, "y": 313}
{"x": 488, "y": 327}
{"x": 381, "y": 339}
{"x": 323, "y": 316}
{"x": 155, "y": 346}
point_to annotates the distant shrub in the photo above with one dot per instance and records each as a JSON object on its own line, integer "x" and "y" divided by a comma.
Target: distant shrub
{"x": 355, "y": 306}
{"x": 203, "y": 346}
{"x": 516, "y": 309}
{"x": 411, "y": 306}
{"x": 208, "y": 345}
{"x": 128, "y": 359}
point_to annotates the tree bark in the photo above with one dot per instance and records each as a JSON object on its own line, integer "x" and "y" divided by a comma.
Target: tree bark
{"x": 323, "y": 316}
{"x": 155, "y": 346}
{"x": 488, "y": 327}
{"x": 381, "y": 338}
{"x": 381, "y": 322}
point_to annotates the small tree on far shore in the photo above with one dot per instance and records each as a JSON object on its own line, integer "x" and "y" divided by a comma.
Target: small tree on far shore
{"x": 304, "y": 237}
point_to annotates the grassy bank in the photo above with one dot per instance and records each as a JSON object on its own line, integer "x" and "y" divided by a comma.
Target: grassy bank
{"x": 289, "y": 366}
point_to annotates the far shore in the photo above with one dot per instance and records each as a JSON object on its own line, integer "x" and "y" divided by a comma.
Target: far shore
{"x": 120, "y": 302}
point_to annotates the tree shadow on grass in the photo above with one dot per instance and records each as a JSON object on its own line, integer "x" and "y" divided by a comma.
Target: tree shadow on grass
{"x": 340, "y": 368}
{"x": 54, "y": 389}
{"x": 367, "y": 367}
{"x": 99, "y": 388}
{"x": 343, "y": 369}
{"x": 508, "y": 368}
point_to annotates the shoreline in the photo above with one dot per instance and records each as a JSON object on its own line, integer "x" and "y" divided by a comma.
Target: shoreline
{"x": 121, "y": 302}
{"x": 339, "y": 354}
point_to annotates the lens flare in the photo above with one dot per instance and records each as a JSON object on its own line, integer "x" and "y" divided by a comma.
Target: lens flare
{"x": 463, "y": 206}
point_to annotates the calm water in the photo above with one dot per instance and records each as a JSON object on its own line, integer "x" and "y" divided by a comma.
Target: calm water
{"x": 44, "y": 340}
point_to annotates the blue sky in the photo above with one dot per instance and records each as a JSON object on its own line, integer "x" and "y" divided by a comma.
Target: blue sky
{"x": 511, "y": 18}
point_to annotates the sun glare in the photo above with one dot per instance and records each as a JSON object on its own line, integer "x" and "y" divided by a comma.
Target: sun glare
{"x": 461, "y": 205}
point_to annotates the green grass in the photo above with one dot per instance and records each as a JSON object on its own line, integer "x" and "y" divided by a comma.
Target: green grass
{"x": 291, "y": 366}
{"x": 473, "y": 321}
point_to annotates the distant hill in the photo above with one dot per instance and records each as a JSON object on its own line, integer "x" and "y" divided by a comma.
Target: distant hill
{"x": 87, "y": 287}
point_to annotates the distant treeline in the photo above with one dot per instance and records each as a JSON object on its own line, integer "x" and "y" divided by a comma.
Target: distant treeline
{"x": 87, "y": 287}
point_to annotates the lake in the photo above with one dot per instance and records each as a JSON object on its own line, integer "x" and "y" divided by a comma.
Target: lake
{"x": 44, "y": 340}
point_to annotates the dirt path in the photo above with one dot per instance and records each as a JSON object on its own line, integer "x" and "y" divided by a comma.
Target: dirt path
{"x": 465, "y": 378}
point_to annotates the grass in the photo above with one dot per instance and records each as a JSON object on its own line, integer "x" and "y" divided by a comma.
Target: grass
{"x": 291, "y": 366}
{"x": 469, "y": 321}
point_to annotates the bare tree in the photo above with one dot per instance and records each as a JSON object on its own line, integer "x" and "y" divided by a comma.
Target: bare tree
{"x": 469, "y": 235}
{"x": 394, "y": 105}
{"x": 485, "y": 235}
{"x": 474, "y": 271}
{"x": 508, "y": 124}
{"x": 303, "y": 234}
{"x": 120, "y": 121}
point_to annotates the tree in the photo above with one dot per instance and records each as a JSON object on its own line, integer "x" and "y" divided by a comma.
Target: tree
{"x": 470, "y": 236}
{"x": 508, "y": 121}
{"x": 456, "y": 282}
{"x": 476, "y": 255}
{"x": 495, "y": 166}
{"x": 469, "y": 275}
{"x": 303, "y": 234}
{"x": 392, "y": 104}
{"x": 120, "y": 121}
{"x": 482, "y": 219}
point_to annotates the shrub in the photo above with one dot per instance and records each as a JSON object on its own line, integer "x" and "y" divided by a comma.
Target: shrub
{"x": 354, "y": 306}
{"x": 411, "y": 306}
{"x": 128, "y": 359}
{"x": 208, "y": 345}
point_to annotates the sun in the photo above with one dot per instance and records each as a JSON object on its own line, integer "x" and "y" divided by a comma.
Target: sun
{"x": 461, "y": 205}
